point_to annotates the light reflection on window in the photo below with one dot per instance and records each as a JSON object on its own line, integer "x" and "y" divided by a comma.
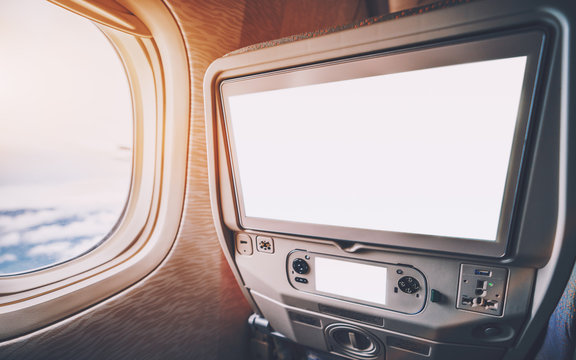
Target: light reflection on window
{"x": 65, "y": 135}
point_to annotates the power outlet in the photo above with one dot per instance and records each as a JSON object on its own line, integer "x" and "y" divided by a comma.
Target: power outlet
{"x": 482, "y": 289}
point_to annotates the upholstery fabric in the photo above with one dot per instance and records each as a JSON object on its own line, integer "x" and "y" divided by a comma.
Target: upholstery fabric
{"x": 559, "y": 340}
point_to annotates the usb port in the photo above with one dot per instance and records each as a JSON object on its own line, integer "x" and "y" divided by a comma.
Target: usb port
{"x": 483, "y": 272}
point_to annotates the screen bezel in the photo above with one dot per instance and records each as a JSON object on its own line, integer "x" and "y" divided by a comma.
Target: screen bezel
{"x": 528, "y": 43}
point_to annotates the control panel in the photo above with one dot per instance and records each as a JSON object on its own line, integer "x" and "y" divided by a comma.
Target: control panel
{"x": 482, "y": 289}
{"x": 397, "y": 287}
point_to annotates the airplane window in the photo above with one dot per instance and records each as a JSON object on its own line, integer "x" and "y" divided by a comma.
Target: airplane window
{"x": 65, "y": 136}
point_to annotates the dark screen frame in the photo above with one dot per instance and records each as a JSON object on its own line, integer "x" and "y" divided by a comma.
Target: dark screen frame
{"x": 528, "y": 43}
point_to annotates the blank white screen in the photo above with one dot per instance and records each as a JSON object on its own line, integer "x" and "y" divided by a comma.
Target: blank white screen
{"x": 353, "y": 280}
{"x": 422, "y": 152}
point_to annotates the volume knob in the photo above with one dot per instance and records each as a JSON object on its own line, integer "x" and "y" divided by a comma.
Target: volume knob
{"x": 300, "y": 266}
{"x": 409, "y": 285}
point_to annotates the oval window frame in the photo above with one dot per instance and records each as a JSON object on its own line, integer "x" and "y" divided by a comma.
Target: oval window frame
{"x": 158, "y": 73}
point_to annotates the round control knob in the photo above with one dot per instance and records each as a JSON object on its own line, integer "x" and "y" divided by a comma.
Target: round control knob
{"x": 300, "y": 266}
{"x": 408, "y": 284}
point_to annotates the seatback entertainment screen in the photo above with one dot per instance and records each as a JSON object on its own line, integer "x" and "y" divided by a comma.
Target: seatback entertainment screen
{"x": 414, "y": 148}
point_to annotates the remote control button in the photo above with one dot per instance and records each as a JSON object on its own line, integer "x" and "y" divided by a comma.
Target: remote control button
{"x": 300, "y": 266}
{"x": 409, "y": 285}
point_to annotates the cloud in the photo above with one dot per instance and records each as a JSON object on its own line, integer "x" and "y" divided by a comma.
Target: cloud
{"x": 32, "y": 218}
{"x": 7, "y": 258}
{"x": 79, "y": 249}
{"x": 98, "y": 224}
{"x": 49, "y": 249}
{"x": 63, "y": 250}
{"x": 41, "y": 237}
{"x": 10, "y": 239}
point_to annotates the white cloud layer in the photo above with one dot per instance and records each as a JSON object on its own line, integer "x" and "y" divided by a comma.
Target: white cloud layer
{"x": 10, "y": 239}
{"x": 63, "y": 250}
{"x": 93, "y": 225}
{"x": 28, "y": 227}
{"x": 29, "y": 219}
{"x": 49, "y": 249}
{"x": 78, "y": 249}
{"x": 40, "y": 238}
{"x": 7, "y": 258}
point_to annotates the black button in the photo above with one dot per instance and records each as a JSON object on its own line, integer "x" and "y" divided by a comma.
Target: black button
{"x": 301, "y": 280}
{"x": 409, "y": 285}
{"x": 491, "y": 331}
{"x": 300, "y": 266}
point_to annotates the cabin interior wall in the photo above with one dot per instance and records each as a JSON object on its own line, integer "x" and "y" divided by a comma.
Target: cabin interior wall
{"x": 190, "y": 307}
